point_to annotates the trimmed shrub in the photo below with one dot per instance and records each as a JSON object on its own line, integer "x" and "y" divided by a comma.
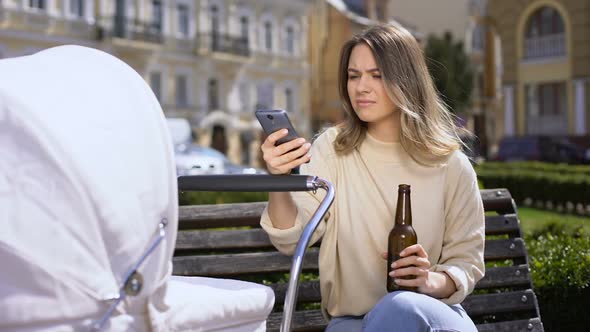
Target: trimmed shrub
{"x": 556, "y": 187}
{"x": 560, "y": 268}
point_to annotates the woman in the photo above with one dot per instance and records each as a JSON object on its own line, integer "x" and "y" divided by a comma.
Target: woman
{"x": 396, "y": 131}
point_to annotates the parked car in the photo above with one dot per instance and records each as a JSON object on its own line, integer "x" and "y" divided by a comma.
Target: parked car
{"x": 194, "y": 160}
{"x": 540, "y": 148}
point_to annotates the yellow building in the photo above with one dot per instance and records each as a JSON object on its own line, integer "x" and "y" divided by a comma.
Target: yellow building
{"x": 211, "y": 61}
{"x": 545, "y": 52}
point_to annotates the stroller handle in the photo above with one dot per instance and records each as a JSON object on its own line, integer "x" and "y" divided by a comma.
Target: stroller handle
{"x": 246, "y": 183}
{"x": 254, "y": 183}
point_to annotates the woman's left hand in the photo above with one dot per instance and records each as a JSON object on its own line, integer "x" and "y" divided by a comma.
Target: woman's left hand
{"x": 414, "y": 262}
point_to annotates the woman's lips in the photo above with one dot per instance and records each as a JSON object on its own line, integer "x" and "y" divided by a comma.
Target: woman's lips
{"x": 364, "y": 103}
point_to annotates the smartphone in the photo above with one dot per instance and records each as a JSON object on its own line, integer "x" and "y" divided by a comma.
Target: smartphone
{"x": 273, "y": 120}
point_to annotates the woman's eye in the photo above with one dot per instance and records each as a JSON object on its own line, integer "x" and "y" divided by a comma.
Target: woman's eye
{"x": 352, "y": 77}
{"x": 377, "y": 76}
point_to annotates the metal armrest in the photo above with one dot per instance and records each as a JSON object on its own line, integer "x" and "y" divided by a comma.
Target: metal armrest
{"x": 272, "y": 183}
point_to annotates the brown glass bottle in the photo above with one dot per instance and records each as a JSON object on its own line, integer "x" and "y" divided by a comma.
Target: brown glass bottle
{"x": 401, "y": 236}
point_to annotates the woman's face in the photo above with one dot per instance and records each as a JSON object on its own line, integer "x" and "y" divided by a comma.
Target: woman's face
{"x": 365, "y": 87}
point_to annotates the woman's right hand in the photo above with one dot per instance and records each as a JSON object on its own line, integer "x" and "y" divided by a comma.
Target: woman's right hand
{"x": 283, "y": 158}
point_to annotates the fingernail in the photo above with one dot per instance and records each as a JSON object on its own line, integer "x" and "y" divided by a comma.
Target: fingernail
{"x": 285, "y": 131}
{"x": 393, "y": 265}
{"x": 306, "y": 145}
{"x": 300, "y": 140}
{"x": 392, "y": 273}
{"x": 403, "y": 253}
{"x": 397, "y": 281}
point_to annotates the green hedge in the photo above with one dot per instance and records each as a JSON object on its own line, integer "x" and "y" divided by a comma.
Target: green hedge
{"x": 537, "y": 166}
{"x": 560, "y": 268}
{"x": 557, "y": 187}
{"x": 199, "y": 198}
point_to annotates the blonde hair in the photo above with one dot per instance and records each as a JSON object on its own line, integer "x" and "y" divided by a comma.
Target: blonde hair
{"x": 428, "y": 131}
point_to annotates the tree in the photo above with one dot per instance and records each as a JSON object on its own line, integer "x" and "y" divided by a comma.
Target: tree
{"x": 451, "y": 71}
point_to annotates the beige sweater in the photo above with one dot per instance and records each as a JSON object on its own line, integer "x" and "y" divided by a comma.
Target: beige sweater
{"x": 447, "y": 215}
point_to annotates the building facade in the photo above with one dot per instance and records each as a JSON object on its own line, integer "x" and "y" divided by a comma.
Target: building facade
{"x": 213, "y": 62}
{"x": 545, "y": 52}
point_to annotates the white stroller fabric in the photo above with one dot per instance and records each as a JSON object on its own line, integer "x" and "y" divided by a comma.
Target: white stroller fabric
{"x": 86, "y": 175}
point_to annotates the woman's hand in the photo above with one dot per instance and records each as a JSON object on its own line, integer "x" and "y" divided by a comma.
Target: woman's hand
{"x": 283, "y": 158}
{"x": 414, "y": 262}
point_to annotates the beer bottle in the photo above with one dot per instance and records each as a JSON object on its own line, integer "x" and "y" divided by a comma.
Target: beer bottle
{"x": 401, "y": 236}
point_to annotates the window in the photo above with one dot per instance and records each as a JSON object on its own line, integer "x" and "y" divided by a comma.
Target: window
{"x": 181, "y": 91}
{"x": 264, "y": 96}
{"x": 156, "y": 84}
{"x": 289, "y": 100}
{"x": 545, "y": 34}
{"x": 245, "y": 97}
{"x": 268, "y": 36}
{"x": 478, "y": 38}
{"x": 214, "y": 27}
{"x": 213, "y": 95}
{"x": 77, "y": 8}
{"x": 183, "y": 20}
{"x": 546, "y": 106}
{"x": 290, "y": 40}
{"x": 244, "y": 27}
{"x": 157, "y": 15}
{"x": 39, "y": 4}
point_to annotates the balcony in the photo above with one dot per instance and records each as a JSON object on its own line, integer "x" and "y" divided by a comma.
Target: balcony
{"x": 225, "y": 44}
{"x": 132, "y": 29}
{"x": 543, "y": 47}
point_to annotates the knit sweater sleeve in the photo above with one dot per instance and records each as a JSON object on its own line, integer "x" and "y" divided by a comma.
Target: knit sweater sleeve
{"x": 321, "y": 165}
{"x": 463, "y": 243}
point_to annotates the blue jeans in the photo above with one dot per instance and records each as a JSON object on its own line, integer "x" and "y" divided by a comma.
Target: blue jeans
{"x": 406, "y": 311}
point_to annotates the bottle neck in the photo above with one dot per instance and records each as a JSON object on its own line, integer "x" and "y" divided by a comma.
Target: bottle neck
{"x": 403, "y": 213}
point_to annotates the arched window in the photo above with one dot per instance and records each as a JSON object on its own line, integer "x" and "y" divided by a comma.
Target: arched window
{"x": 545, "y": 34}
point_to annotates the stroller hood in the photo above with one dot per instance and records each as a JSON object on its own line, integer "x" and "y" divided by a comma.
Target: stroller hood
{"x": 86, "y": 175}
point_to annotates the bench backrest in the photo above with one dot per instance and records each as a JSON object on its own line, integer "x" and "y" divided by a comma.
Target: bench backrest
{"x": 226, "y": 241}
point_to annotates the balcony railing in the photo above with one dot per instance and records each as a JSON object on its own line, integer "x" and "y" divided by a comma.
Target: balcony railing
{"x": 549, "y": 46}
{"x": 226, "y": 44}
{"x": 127, "y": 28}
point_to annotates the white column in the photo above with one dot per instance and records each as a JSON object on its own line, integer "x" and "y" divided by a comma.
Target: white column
{"x": 580, "y": 106}
{"x": 509, "y": 110}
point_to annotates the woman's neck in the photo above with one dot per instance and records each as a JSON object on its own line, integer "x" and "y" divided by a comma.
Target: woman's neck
{"x": 387, "y": 129}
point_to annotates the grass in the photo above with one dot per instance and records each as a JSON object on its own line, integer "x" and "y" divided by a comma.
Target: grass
{"x": 533, "y": 220}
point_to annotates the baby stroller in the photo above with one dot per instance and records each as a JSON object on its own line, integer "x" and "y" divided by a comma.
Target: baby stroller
{"x": 88, "y": 196}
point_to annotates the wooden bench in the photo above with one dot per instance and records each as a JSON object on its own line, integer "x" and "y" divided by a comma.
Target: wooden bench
{"x": 503, "y": 300}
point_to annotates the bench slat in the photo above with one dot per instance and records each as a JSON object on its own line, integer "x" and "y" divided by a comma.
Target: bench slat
{"x": 236, "y": 264}
{"x": 257, "y": 238}
{"x": 503, "y": 224}
{"x": 504, "y": 249}
{"x": 498, "y": 200}
{"x": 305, "y": 320}
{"x": 496, "y": 277}
{"x": 505, "y": 276}
{"x": 233, "y": 264}
{"x": 533, "y": 325}
{"x": 220, "y": 215}
{"x": 506, "y": 302}
{"x": 313, "y": 320}
{"x": 223, "y": 239}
